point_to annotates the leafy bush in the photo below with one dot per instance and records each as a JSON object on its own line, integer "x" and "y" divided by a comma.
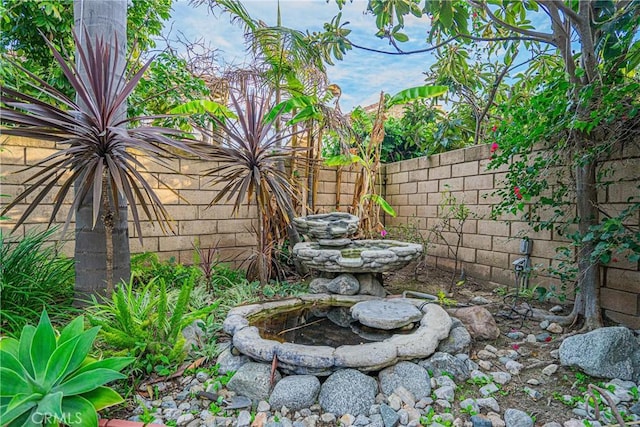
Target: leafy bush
{"x": 51, "y": 379}
{"x": 147, "y": 266}
{"x": 32, "y": 276}
{"x": 147, "y": 321}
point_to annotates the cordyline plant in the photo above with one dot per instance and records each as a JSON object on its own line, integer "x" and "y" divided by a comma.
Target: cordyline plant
{"x": 251, "y": 153}
{"x": 95, "y": 146}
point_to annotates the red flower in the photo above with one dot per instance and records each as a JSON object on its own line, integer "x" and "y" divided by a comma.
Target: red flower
{"x": 515, "y": 347}
{"x": 615, "y": 260}
{"x": 516, "y": 191}
{"x": 494, "y": 147}
{"x": 547, "y": 339}
{"x": 494, "y": 128}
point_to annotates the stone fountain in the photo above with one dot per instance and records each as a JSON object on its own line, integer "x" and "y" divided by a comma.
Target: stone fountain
{"x": 345, "y": 322}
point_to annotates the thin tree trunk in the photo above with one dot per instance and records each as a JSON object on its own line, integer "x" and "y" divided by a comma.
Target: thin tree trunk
{"x": 106, "y": 19}
{"x": 588, "y": 271}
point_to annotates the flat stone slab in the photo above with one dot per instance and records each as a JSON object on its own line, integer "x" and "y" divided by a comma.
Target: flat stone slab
{"x": 385, "y": 314}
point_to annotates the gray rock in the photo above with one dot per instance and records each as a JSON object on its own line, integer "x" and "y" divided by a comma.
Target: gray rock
{"x": 344, "y": 284}
{"x": 488, "y": 403}
{"x": 229, "y": 363}
{"x": 389, "y": 417}
{"x": 441, "y": 363}
{"x": 470, "y": 404}
{"x": 264, "y": 406}
{"x": 513, "y": 367}
{"x": 550, "y": 369}
{"x": 517, "y": 418}
{"x": 612, "y": 352}
{"x": 193, "y": 335}
{"x": 252, "y": 380}
{"x": 515, "y": 335}
{"x": 385, "y": 314}
{"x": 635, "y": 409}
{"x": 544, "y": 324}
{"x": 233, "y": 323}
{"x": 369, "y": 285}
{"x": 348, "y": 392}
{"x": 458, "y": 341}
{"x": 244, "y": 419}
{"x": 407, "y": 397}
{"x": 480, "y": 421}
{"x": 341, "y": 316}
{"x": 319, "y": 285}
{"x": 295, "y": 392}
{"x": 488, "y": 389}
{"x": 478, "y": 300}
{"x": 408, "y": 375}
{"x": 185, "y": 419}
{"x": 543, "y": 337}
{"x": 446, "y": 392}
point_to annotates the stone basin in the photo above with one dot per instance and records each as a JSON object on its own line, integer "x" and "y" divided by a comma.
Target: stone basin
{"x": 358, "y": 256}
{"x": 334, "y": 225}
{"x": 423, "y": 341}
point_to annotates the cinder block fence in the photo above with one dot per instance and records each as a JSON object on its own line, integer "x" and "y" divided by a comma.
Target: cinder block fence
{"x": 413, "y": 187}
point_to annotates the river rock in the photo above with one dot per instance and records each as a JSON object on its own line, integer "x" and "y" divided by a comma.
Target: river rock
{"x": 228, "y": 362}
{"x": 612, "y": 352}
{"x": 441, "y": 363}
{"x": 295, "y": 392}
{"x": 344, "y": 284}
{"x": 369, "y": 285}
{"x": 517, "y": 418}
{"x": 409, "y": 375}
{"x": 319, "y": 285}
{"x": 385, "y": 314}
{"x": 253, "y": 380}
{"x": 458, "y": 341}
{"x": 478, "y": 321}
{"x": 348, "y": 391}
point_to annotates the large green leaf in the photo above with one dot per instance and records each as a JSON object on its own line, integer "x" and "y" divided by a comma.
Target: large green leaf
{"x": 10, "y": 345}
{"x": 298, "y": 102}
{"x": 9, "y": 361}
{"x": 81, "y": 350}
{"x": 73, "y": 329}
{"x": 20, "y": 404}
{"x": 419, "y": 92}
{"x": 51, "y": 405}
{"x": 24, "y": 352}
{"x": 342, "y": 160}
{"x": 380, "y": 201}
{"x": 43, "y": 345}
{"x": 59, "y": 361}
{"x": 113, "y": 363}
{"x": 80, "y": 412}
{"x": 102, "y": 397}
{"x": 11, "y": 383}
{"x": 88, "y": 381}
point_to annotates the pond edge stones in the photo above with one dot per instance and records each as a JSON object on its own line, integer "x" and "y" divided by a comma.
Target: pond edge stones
{"x": 434, "y": 325}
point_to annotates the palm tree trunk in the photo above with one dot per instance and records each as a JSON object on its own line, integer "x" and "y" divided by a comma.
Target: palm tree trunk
{"x": 108, "y": 20}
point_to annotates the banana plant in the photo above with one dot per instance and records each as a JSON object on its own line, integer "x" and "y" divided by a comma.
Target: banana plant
{"x": 49, "y": 378}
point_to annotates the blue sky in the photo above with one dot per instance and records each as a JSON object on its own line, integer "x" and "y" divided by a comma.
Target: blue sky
{"x": 361, "y": 75}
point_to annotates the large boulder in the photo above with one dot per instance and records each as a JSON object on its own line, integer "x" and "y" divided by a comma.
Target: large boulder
{"x": 478, "y": 321}
{"x": 612, "y": 352}
{"x": 344, "y": 284}
{"x": 348, "y": 391}
{"x": 295, "y": 392}
{"x": 408, "y": 375}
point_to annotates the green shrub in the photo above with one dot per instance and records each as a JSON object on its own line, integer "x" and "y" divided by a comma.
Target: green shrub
{"x": 147, "y": 266}
{"x": 48, "y": 378}
{"x": 146, "y": 322}
{"x": 32, "y": 276}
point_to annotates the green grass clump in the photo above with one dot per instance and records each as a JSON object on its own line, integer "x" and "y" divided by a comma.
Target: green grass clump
{"x": 33, "y": 276}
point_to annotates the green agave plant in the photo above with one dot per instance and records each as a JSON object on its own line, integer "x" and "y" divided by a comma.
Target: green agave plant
{"x": 49, "y": 379}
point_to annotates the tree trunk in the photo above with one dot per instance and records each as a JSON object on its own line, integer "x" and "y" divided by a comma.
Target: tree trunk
{"x": 107, "y": 20}
{"x": 588, "y": 305}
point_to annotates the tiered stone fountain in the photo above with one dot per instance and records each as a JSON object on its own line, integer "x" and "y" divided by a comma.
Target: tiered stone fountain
{"x": 345, "y": 322}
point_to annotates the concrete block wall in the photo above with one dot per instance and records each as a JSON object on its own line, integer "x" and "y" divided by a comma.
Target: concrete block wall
{"x": 184, "y": 191}
{"x": 415, "y": 187}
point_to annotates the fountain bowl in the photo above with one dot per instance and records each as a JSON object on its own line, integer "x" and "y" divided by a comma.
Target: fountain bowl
{"x": 357, "y": 256}
{"x": 333, "y": 225}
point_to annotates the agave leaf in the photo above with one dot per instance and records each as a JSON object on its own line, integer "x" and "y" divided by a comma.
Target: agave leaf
{"x": 10, "y": 361}
{"x": 10, "y": 345}
{"x": 51, "y": 404}
{"x": 17, "y": 407}
{"x": 44, "y": 343}
{"x": 13, "y": 384}
{"x": 87, "y": 381}
{"x": 81, "y": 350}
{"x": 26, "y": 338}
{"x": 113, "y": 363}
{"x": 72, "y": 330}
{"x": 102, "y": 397}
{"x": 84, "y": 413}
{"x": 59, "y": 362}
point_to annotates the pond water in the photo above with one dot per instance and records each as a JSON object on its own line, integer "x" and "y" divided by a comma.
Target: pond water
{"x": 324, "y": 325}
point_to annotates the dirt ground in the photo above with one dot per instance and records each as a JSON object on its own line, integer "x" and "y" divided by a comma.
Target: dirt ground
{"x": 534, "y": 356}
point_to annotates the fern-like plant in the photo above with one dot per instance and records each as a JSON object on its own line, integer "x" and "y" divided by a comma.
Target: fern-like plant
{"x": 146, "y": 322}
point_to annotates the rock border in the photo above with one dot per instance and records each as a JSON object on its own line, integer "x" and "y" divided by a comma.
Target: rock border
{"x": 323, "y": 360}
